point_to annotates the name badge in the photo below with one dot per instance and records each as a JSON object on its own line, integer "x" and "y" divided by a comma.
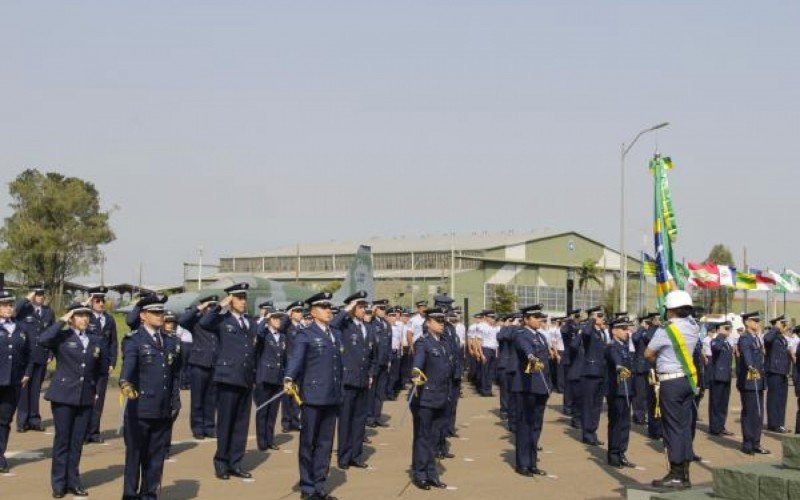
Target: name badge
{"x": 72, "y": 344}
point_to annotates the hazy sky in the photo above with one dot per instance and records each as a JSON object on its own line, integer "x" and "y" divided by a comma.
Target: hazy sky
{"x": 241, "y": 125}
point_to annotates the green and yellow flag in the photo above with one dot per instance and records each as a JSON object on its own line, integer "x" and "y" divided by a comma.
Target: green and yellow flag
{"x": 745, "y": 281}
{"x": 683, "y": 354}
{"x": 665, "y": 231}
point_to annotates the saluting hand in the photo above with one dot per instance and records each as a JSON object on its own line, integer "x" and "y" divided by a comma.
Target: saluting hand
{"x": 25, "y": 381}
{"x": 66, "y": 317}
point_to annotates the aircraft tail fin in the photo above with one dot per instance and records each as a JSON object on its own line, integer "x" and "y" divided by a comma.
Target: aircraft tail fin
{"x": 359, "y": 276}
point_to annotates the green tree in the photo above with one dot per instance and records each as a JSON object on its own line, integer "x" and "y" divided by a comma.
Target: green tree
{"x": 588, "y": 273}
{"x": 720, "y": 299}
{"x": 331, "y": 287}
{"x": 504, "y": 300}
{"x": 55, "y": 229}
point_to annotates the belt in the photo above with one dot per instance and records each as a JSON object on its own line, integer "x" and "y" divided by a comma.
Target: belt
{"x": 670, "y": 376}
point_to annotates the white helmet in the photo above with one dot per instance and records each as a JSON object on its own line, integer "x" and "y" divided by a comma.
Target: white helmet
{"x": 678, "y": 298}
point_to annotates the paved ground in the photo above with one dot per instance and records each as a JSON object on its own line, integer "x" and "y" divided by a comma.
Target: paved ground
{"x": 483, "y": 467}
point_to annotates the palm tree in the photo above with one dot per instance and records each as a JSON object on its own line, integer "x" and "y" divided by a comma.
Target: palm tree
{"x": 588, "y": 272}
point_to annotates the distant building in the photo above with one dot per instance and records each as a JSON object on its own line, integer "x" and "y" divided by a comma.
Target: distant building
{"x": 533, "y": 265}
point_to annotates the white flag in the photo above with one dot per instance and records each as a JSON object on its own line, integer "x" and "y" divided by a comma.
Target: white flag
{"x": 726, "y": 276}
{"x": 787, "y": 284}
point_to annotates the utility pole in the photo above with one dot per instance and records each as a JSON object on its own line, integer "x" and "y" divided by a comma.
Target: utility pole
{"x": 199, "y": 268}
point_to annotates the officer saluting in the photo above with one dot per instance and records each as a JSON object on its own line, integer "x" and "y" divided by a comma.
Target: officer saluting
{"x": 234, "y": 373}
{"x": 37, "y": 316}
{"x": 719, "y": 376}
{"x": 750, "y": 382}
{"x": 201, "y": 365}
{"x": 431, "y": 378}
{"x": 15, "y": 368}
{"x": 383, "y": 360}
{"x": 79, "y": 363}
{"x": 621, "y": 391}
{"x": 531, "y": 389}
{"x": 103, "y": 325}
{"x": 317, "y": 361}
{"x": 671, "y": 350}
{"x": 778, "y": 366}
{"x": 292, "y": 324}
{"x": 150, "y": 381}
{"x": 593, "y": 340}
{"x": 271, "y": 352}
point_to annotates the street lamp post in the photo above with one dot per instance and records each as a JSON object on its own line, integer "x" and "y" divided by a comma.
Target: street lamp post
{"x": 623, "y": 293}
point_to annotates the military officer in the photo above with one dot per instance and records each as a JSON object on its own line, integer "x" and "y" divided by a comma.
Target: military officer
{"x": 150, "y": 382}
{"x": 750, "y": 383}
{"x": 488, "y": 351}
{"x": 796, "y": 374}
{"x": 103, "y": 325}
{"x": 654, "y": 428}
{"x": 37, "y": 316}
{"x": 383, "y": 361}
{"x": 449, "y": 340}
{"x": 593, "y": 338}
{"x": 432, "y": 375}
{"x": 292, "y": 324}
{"x": 203, "y": 390}
{"x": 457, "y": 351}
{"x": 16, "y": 367}
{"x": 359, "y": 366}
{"x": 271, "y": 352}
{"x": 316, "y": 362}
{"x": 570, "y": 332}
{"x": 234, "y": 374}
{"x": 396, "y": 325}
{"x": 506, "y": 370}
{"x": 621, "y": 390}
{"x": 80, "y": 361}
{"x": 640, "y": 370}
{"x": 676, "y": 394}
{"x": 720, "y": 380}
{"x": 778, "y": 368}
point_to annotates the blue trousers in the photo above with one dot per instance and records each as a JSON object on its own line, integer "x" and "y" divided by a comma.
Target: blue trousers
{"x": 577, "y": 401}
{"x": 71, "y": 423}
{"x": 99, "y": 403}
{"x": 654, "y": 427}
{"x": 777, "y": 394}
{"x": 9, "y": 396}
{"x": 720, "y": 394}
{"x": 592, "y": 406}
{"x": 316, "y": 443}
{"x": 146, "y": 443}
{"x": 233, "y": 418}
{"x": 639, "y": 400}
{"x": 619, "y": 427}
{"x": 530, "y": 419}
{"x": 204, "y": 400}
{"x": 378, "y": 395}
{"x": 428, "y": 423}
{"x": 352, "y": 424}
{"x": 677, "y": 409}
{"x": 28, "y": 406}
{"x": 752, "y": 418}
{"x": 266, "y": 417}
{"x": 488, "y": 371}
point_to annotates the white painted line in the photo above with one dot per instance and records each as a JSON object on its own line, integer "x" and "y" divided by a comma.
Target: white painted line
{"x": 250, "y": 480}
{"x": 48, "y": 433}
{"x": 452, "y": 488}
{"x": 8, "y": 474}
{"x": 639, "y": 467}
{"x": 25, "y": 455}
{"x": 552, "y": 476}
{"x": 469, "y": 459}
{"x": 547, "y": 452}
{"x": 287, "y": 451}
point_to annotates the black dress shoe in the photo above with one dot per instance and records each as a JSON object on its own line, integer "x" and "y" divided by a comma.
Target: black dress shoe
{"x": 381, "y": 424}
{"x": 780, "y": 430}
{"x": 359, "y": 464}
{"x": 4, "y": 470}
{"x": 372, "y": 425}
{"x": 524, "y": 472}
{"x": 274, "y": 447}
{"x": 423, "y": 485}
{"x": 343, "y": 466}
{"x": 23, "y": 428}
{"x": 726, "y": 432}
{"x": 305, "y": 495}
{"x": 454, "y": 435}
{"x": 37, "y": 427}
{"x": 287, "y": 430}
{"x": 367, "y": 440}
{"x": 199, "y": 437}
{"x": 593, "y": 443}
{"x": 446, "y": 455}
{"x": 58, "y": 493}
{"x": 697, "y": 458}
{"x": 240, "y": 473}
{"x": 747, "y": 452}
{"x": 437, "y": 484}
{"x": 761, "y": 451}
{"x": 222, "y": 475}
{"x": 97, "y": 438}
{"x": 616, "y": 464}
{"x": 78, "y": 492}
{"x": 537, "y": 471}
{"x": 627, "y": 463}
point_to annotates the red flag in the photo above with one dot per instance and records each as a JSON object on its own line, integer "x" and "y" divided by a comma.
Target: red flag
{"x": 704, "y": 275}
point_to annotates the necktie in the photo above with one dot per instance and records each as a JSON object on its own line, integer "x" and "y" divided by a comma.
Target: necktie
{"x": 330, "y": 335}
{"x": 363, "y": 331}
{"x": 242, "y": 323}
{"x": 157, "y": 337}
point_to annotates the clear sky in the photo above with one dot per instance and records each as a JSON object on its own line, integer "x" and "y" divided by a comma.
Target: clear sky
{"x": 242, "y": 126}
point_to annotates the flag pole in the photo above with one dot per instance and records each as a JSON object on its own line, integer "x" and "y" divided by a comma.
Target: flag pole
{"x": 641, "y": 284}
{"x": 784, "y": 294}
{"x": 747, "y": 270}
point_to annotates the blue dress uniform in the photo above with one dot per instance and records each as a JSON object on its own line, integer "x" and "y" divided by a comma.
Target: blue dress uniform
{"x": 778, "y": 368}
{"x": 104, "y": 326}
{"x": 271, "y": 355}
{"x": 234, "y": 375}
{"x": 316, "y": 362}
{"x": 37, "y": 319}
{"x": 203, "y": 390}
{"x": 290, "y": 411}
{"x": 359, "y": 366}
{"x": 504, "y": 352}
{"x": 621, "y": 391}
{"x": 15, "y": 363}
{"x": 532, "y": 390}
{"x": 383, "y": 359}
{"x": 456, "y": 351}
{"x": 750, "y": 383}
{"x": 593, "y": 344}
{"x": 429, "y": 403}
{"x": 640, "y": 370}
{"x": 80, "y": 361}
{"x": 654, "y": 428}
{"x": 796, "y": 378}
{"x": 150, "y": 365}
{"x": 719, "y": 376}
{"x": 574, "y": 352}
{"x": 567, "y": 334}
